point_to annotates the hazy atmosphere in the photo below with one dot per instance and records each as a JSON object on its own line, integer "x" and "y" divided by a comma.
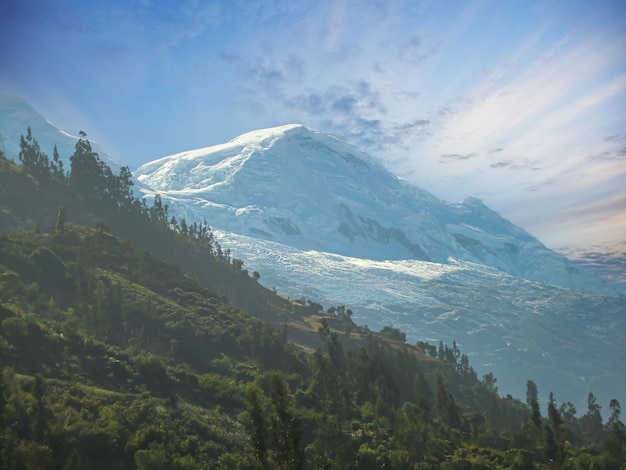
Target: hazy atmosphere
{"x": 518, "y": 103}
{"x": 301, "y": 235}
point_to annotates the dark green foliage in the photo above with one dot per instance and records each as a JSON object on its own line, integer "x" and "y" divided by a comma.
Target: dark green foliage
{"x": 393, "y": 334}
{"x": 284, "y": 429}
{"x": 591, "y": 422}
{"x": 90, "y": 176}
{"x": 615, "y": 443}
{"x": 34, "y": 159}
{"x": 61, "y": 219}
{"x": 446, "y": 406}
{"x": 112, "y": 358}
{"x": 258, "y": 434}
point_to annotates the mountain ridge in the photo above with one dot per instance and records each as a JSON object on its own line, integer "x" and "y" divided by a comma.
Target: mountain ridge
{"x": 16, "y": 114}
{"x": 306, "y": 189}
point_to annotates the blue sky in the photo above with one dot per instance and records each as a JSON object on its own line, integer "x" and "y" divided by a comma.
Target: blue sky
{"x": 520, "y": 103}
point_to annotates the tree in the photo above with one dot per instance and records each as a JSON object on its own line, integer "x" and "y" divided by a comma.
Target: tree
{"x": 393, "y": 333}
{"x": 83, "y": 166}
{"x": 570, "y": 422}
{"x": 616, "y": 440}
{"x": 32, "y": 157}
{"x": 183, "y": 227}
{"x": 61, "y": 219}
{"x": 125, "y": 183}
{"x": 258, "y": 433}
{"x": 441, "y": 352}
{"x": 324, "y": 331}
{"x": 552, "y": 448}
{"x": 90, "y": 176}
{"x": 446, "y": 406}
{"x": 284, "y": 428}
{"x": 555, "y": 417}
{"x": 477, "y": 423}
{"x": 56, "y": 166}
{"x": 154, "y": 458}
{"x": 489, "y": 381}
{"x": 532, "y": 400}
{"x": 158, "y": 211}
{"x": 39, "y": 422}
{"x": 553, "y": 433}
{"x": 532, "y": 393}
{"x": 591, "y": 422}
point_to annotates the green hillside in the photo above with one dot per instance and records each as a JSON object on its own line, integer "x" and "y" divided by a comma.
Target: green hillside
{"x": 130, "y": 339}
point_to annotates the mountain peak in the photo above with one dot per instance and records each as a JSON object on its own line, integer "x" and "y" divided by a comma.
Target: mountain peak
{"x": 272, "y": 132}
{"x": 312, "y": 191}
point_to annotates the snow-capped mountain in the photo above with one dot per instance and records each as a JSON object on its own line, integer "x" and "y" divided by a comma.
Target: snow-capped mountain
{"x": 321, "y": 220}
{"x": 311, "y": 191}
{"x": 16, "y": 115}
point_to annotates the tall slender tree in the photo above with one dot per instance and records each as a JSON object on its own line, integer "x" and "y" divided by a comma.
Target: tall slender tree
{"x": 284, "y": 428}
{"x": 258, "y": 433}
{"x": 61, "y": 219}
{"x": 532, "y": 398}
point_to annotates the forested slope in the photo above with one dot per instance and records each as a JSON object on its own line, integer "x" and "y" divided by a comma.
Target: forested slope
{"x": 129, "y": 339}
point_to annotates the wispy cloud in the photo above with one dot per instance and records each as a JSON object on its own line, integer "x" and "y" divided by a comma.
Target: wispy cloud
{"x": 609, "y": 264}
{"x": 414, "y": 50}
{"x": 450, "y": 157}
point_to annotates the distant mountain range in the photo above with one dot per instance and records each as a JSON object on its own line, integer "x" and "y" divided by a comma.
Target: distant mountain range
{"x": 322, "y": 220}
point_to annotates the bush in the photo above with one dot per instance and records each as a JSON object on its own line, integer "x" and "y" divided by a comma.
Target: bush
{"x": 150, "y": 367}
{"x": 154, "y": 458}
{"x": 15, "y": 327}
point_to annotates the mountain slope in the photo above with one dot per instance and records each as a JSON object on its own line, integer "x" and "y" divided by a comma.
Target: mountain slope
{"x": 111, "y": 358}
{"x": 568, "y": 342}
{"x": 16, "y": 115}
{"x": 309, "y": 190}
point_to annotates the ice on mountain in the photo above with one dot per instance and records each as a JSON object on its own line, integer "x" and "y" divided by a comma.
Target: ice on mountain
{"x": 313, "y": 191}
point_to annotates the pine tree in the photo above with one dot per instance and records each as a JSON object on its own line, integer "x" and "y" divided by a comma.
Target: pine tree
{"x": 56, "y": 166}
{"x": 33, "y": 158}
{"x": 39, "y": 423}
{"x": 61, "y": 219}
{"x": 591, "y": 422}
{"x": 89, "y": 176}
{"x": 616, "y": 441}
{"x": 284, "y": 428}
{"x": 446, "y": 406}
{"x": 533, "y": 402}
{"x": 258, "y": 433}
{"x": 124, "y": 190}
{"x": 553, "y": 438}
{"x": 555, "y": 418}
